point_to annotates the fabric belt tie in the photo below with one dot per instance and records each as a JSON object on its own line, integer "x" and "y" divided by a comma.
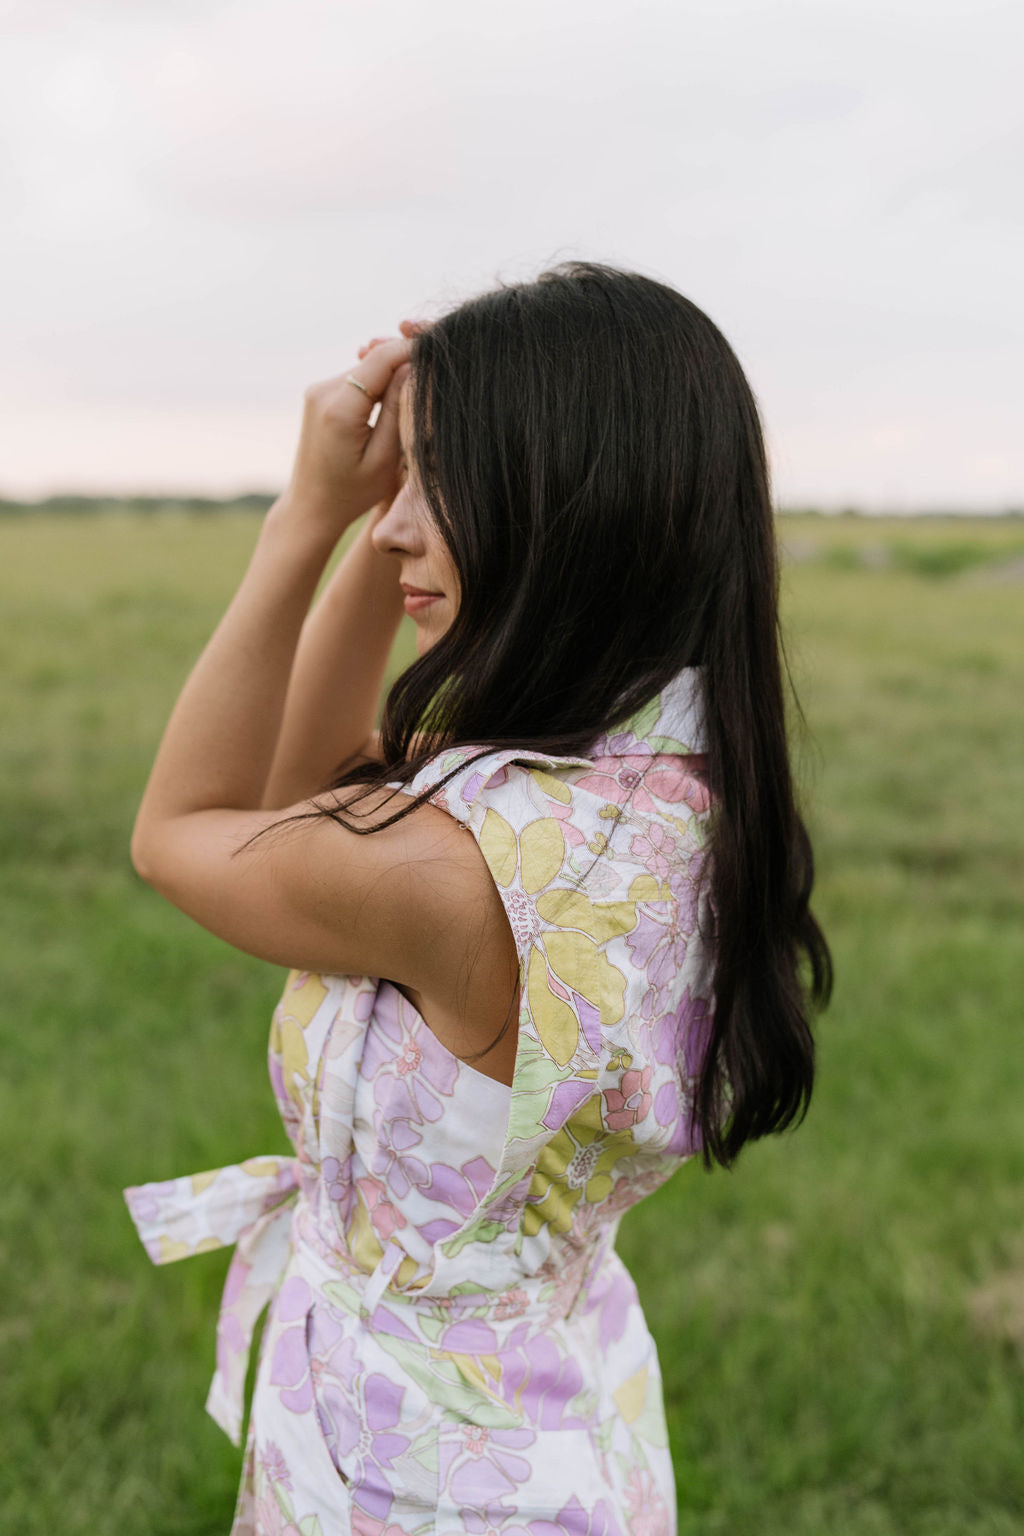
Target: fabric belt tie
{"x": 250, "y": 1204}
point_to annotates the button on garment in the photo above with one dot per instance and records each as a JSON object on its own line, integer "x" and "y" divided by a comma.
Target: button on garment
{"x": 452, "y": 1343}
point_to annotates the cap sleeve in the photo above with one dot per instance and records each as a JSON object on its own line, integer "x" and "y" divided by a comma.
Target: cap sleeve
{"x": 457, "y": 778}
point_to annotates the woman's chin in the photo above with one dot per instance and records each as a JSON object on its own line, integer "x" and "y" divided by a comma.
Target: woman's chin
{"x": 428, "y": 634}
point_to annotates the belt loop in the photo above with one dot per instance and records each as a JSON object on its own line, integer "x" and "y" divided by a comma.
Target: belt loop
{"x": 378, "y": 1281}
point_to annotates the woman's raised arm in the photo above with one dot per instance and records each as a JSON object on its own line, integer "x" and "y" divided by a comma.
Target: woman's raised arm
{"x": 337, "y": 674}
{"x": 221, "y": 741}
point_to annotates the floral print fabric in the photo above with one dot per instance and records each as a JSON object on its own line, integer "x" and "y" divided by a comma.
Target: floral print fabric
{"x": 452, "y": 1343}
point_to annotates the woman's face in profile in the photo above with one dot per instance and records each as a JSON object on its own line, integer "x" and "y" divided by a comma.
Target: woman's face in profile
{"x": 407, "y": 531}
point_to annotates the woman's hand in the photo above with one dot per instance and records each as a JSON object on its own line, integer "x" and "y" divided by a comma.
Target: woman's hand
{"x": 343, "y": 466}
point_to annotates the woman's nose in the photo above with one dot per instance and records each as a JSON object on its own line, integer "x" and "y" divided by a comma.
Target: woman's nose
{"x": 394, "y": 532}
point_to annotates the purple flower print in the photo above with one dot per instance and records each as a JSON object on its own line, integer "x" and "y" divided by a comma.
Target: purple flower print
{"x": 274, "y": 1465}
{"x": 573, "y": 1520}
{"x": 479, "y": 1467}
{"x": 359, "y": 1415}
{"x": 460, "y": 1190}
{"x": 681, "y": 1040}
{"x": 629, "y": 1103}
{"x": 611, "y": 1299}
{"x": 658, "y": 944}
{"x": 337, "y": 1179}
{"x": 289, "y": 1366}
{"x": 393, "y": 1162}
{"x": 540, "y": 1380}
{"x": 412, "y": 1071}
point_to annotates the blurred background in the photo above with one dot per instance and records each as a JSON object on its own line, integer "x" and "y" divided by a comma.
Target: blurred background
{"x": 208, "y": 206}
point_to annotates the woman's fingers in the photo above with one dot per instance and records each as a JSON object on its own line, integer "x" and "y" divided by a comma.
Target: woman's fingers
{"x": 383, "y": 447}
{"x": 408, "y": 328}
{"x": 375, "y": 341}
{"x": 375, "y": 369}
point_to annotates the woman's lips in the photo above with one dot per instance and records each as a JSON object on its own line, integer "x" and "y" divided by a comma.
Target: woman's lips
{"x": 415, "y": 599}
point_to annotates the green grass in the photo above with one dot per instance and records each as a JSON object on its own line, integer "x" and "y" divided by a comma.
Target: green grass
{"x": 840, "y": 1319}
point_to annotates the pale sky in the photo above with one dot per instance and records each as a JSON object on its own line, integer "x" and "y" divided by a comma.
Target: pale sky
{"x": 209, "y": 204}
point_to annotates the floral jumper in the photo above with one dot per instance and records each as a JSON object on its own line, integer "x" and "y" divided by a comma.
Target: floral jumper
{"x": 453, "y": 1344}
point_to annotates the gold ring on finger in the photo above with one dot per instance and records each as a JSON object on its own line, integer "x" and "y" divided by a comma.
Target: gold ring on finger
{"x": 351, "y": 379}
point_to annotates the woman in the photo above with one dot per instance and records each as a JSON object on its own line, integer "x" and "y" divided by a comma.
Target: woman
{"x": 491, "y": 1046}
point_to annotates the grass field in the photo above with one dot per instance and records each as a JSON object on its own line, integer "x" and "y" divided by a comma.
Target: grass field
{"x": 840, "y": 1319}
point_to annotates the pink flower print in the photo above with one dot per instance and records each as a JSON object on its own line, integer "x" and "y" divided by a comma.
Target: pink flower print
{"x": 475, "y": 1439}
{"x": 629, "y": 1103}
{"x": 647, "y": 1513}
{"x": 270, "y": 1521}
{"x": 274, "y": 1465}
{"x": 385, "y": 1218}
{"x": 620, "y": 779}
{"x": 511, "y": 1304}
{"x": 365, "y": 1525}
{"x": 568, "y": 1276}
{"x": 410, "y": 1058}
{"x": 570, "y": 831}
{"x": 655, "y": 848}
{"x": 674, "y": 779}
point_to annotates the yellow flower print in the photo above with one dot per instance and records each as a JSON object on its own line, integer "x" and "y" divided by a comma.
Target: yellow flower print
{"x": 293, "y": 1015}
{"x": 576, "y": 1164}
{"x": 570, "y": 982}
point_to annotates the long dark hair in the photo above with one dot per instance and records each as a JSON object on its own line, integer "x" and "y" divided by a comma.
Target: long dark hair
{"x": 592, "y": 454}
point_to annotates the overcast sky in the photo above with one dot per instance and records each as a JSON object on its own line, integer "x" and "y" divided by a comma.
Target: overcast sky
{"x": 207, "y": 205}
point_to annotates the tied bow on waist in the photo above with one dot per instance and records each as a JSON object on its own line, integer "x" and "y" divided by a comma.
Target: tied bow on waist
{"x": 249, "y": 1204}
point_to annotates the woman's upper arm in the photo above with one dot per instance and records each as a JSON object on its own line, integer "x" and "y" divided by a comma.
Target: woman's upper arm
{"x": 313, "y": 895}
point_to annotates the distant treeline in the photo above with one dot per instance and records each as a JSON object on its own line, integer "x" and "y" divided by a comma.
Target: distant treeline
{"x": 259, "y": 501}
{"x": 78, "y": 506}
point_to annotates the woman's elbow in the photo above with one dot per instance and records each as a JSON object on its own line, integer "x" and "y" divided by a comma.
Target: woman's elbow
{"x": 141, "y": 853}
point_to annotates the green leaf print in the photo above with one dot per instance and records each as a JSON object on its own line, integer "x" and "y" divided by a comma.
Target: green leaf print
{"x": 343, "y": 1295}
{"x": 310, "y": 1525}
{"x": 651, "y": 1426}
{"x": 446, "y": 1386}
{"x": 283, "y": 1501}
{"x": 482, "y": 1231}
{"x": 432, "y": 1326}
{"x": 645, "y": 719}
{"x": 602, "y": 1435}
